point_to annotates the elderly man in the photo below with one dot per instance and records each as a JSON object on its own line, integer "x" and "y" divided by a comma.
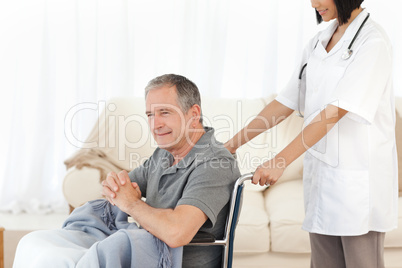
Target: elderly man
{"x": 187, "y": 184}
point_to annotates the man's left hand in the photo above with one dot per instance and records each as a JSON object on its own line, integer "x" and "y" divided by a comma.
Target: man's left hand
{"x": 127, "y": 193}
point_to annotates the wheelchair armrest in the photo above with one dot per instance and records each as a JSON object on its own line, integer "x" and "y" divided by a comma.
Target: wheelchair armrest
{"x": 203, "y": 237}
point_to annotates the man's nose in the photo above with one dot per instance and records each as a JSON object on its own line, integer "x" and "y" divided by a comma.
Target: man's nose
{"x": 157, "y": 122}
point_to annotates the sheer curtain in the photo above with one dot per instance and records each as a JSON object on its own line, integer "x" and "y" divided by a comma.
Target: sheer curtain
{"x": 58, "y": 54}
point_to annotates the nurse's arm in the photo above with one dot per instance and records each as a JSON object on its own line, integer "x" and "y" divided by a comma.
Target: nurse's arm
{"x": 270, "y": 171}
{"x": 272, "y": 114}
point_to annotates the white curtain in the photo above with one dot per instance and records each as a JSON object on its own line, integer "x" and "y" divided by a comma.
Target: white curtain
{"x": 56, "y": 55}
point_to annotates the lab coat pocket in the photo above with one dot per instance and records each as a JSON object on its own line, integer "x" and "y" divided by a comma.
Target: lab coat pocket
{"x": 331, "y": 79}
{"x": 320, "y": 88}
{"x": 344, "y": 202}
{"x": 323, "y": 76}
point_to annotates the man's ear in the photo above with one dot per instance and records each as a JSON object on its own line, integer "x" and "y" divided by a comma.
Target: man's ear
{"x": 196, "y": 112}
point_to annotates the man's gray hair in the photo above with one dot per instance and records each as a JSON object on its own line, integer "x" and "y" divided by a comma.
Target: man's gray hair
{"x": 187, "y": 92}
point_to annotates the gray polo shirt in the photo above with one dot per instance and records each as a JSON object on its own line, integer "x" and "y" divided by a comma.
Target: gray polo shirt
{"x": 204, "y": 178}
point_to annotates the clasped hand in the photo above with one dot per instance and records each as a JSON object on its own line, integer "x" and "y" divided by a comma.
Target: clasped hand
{"x": 120, "y": 191}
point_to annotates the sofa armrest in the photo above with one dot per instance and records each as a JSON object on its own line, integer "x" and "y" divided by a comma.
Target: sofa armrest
{"x": 81, "y": 186}
{"x": 1, "y": 247}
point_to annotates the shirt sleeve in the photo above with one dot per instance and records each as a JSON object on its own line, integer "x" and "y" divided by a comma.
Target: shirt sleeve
{"x": 209, "y": 187}
{"x": 360, "y": 89}
{"x": 293, "y": 94}
{"x": 139, "y": 176}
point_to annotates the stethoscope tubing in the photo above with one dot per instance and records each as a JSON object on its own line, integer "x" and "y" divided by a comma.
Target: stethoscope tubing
{"x": 346, "y": 55}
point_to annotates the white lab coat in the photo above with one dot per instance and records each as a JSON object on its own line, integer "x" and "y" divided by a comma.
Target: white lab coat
{"x": 350, "y": 176}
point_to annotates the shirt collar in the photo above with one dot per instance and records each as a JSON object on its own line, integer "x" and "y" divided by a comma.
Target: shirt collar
{"x": 204, "y": 142}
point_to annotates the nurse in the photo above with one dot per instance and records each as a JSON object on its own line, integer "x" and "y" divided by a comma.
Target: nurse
{"x": 350, "y": 167}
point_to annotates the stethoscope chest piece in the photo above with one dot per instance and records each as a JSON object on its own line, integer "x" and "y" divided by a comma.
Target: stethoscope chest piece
{"x": 347, "y": 54}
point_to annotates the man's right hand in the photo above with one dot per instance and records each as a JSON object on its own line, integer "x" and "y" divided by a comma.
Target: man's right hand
{"x": 110, "y": 185}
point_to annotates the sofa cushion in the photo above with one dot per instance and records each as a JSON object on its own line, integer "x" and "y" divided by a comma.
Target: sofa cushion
{"x": 252, "y": 233}
{"x": 124, "y": 132}
{"x": 285, "y": 208}
{"x": 287, "y": 132}
{"x": 277, "y": 139}
{"x": 229, "y": 116}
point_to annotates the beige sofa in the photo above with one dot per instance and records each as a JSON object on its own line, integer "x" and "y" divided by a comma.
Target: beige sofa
{"x": 269, "y": 231}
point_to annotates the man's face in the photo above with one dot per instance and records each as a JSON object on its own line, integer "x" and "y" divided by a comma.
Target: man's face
{"x": 168, "y": 123}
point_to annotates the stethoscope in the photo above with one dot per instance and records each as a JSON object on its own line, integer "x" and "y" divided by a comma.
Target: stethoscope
{"x": 345, "y": 56}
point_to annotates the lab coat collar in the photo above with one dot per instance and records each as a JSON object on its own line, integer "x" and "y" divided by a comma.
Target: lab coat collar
{"x": 327, "y": 33}
{"x": 350, "y": 32}
{"x": 198, "y": 150}
{"x": 354, "y": 26}
{"x": 324, "y": 38}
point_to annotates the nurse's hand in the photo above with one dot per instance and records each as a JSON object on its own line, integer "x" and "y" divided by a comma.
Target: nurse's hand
{"x": 269, "y": 172}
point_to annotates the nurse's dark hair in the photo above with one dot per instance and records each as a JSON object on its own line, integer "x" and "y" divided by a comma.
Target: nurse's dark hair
{"x": 187, "y": 92}
{"x": 344, "y": 8}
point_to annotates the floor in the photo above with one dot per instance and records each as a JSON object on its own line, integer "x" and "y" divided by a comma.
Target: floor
{"x": 17, "y": 226}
